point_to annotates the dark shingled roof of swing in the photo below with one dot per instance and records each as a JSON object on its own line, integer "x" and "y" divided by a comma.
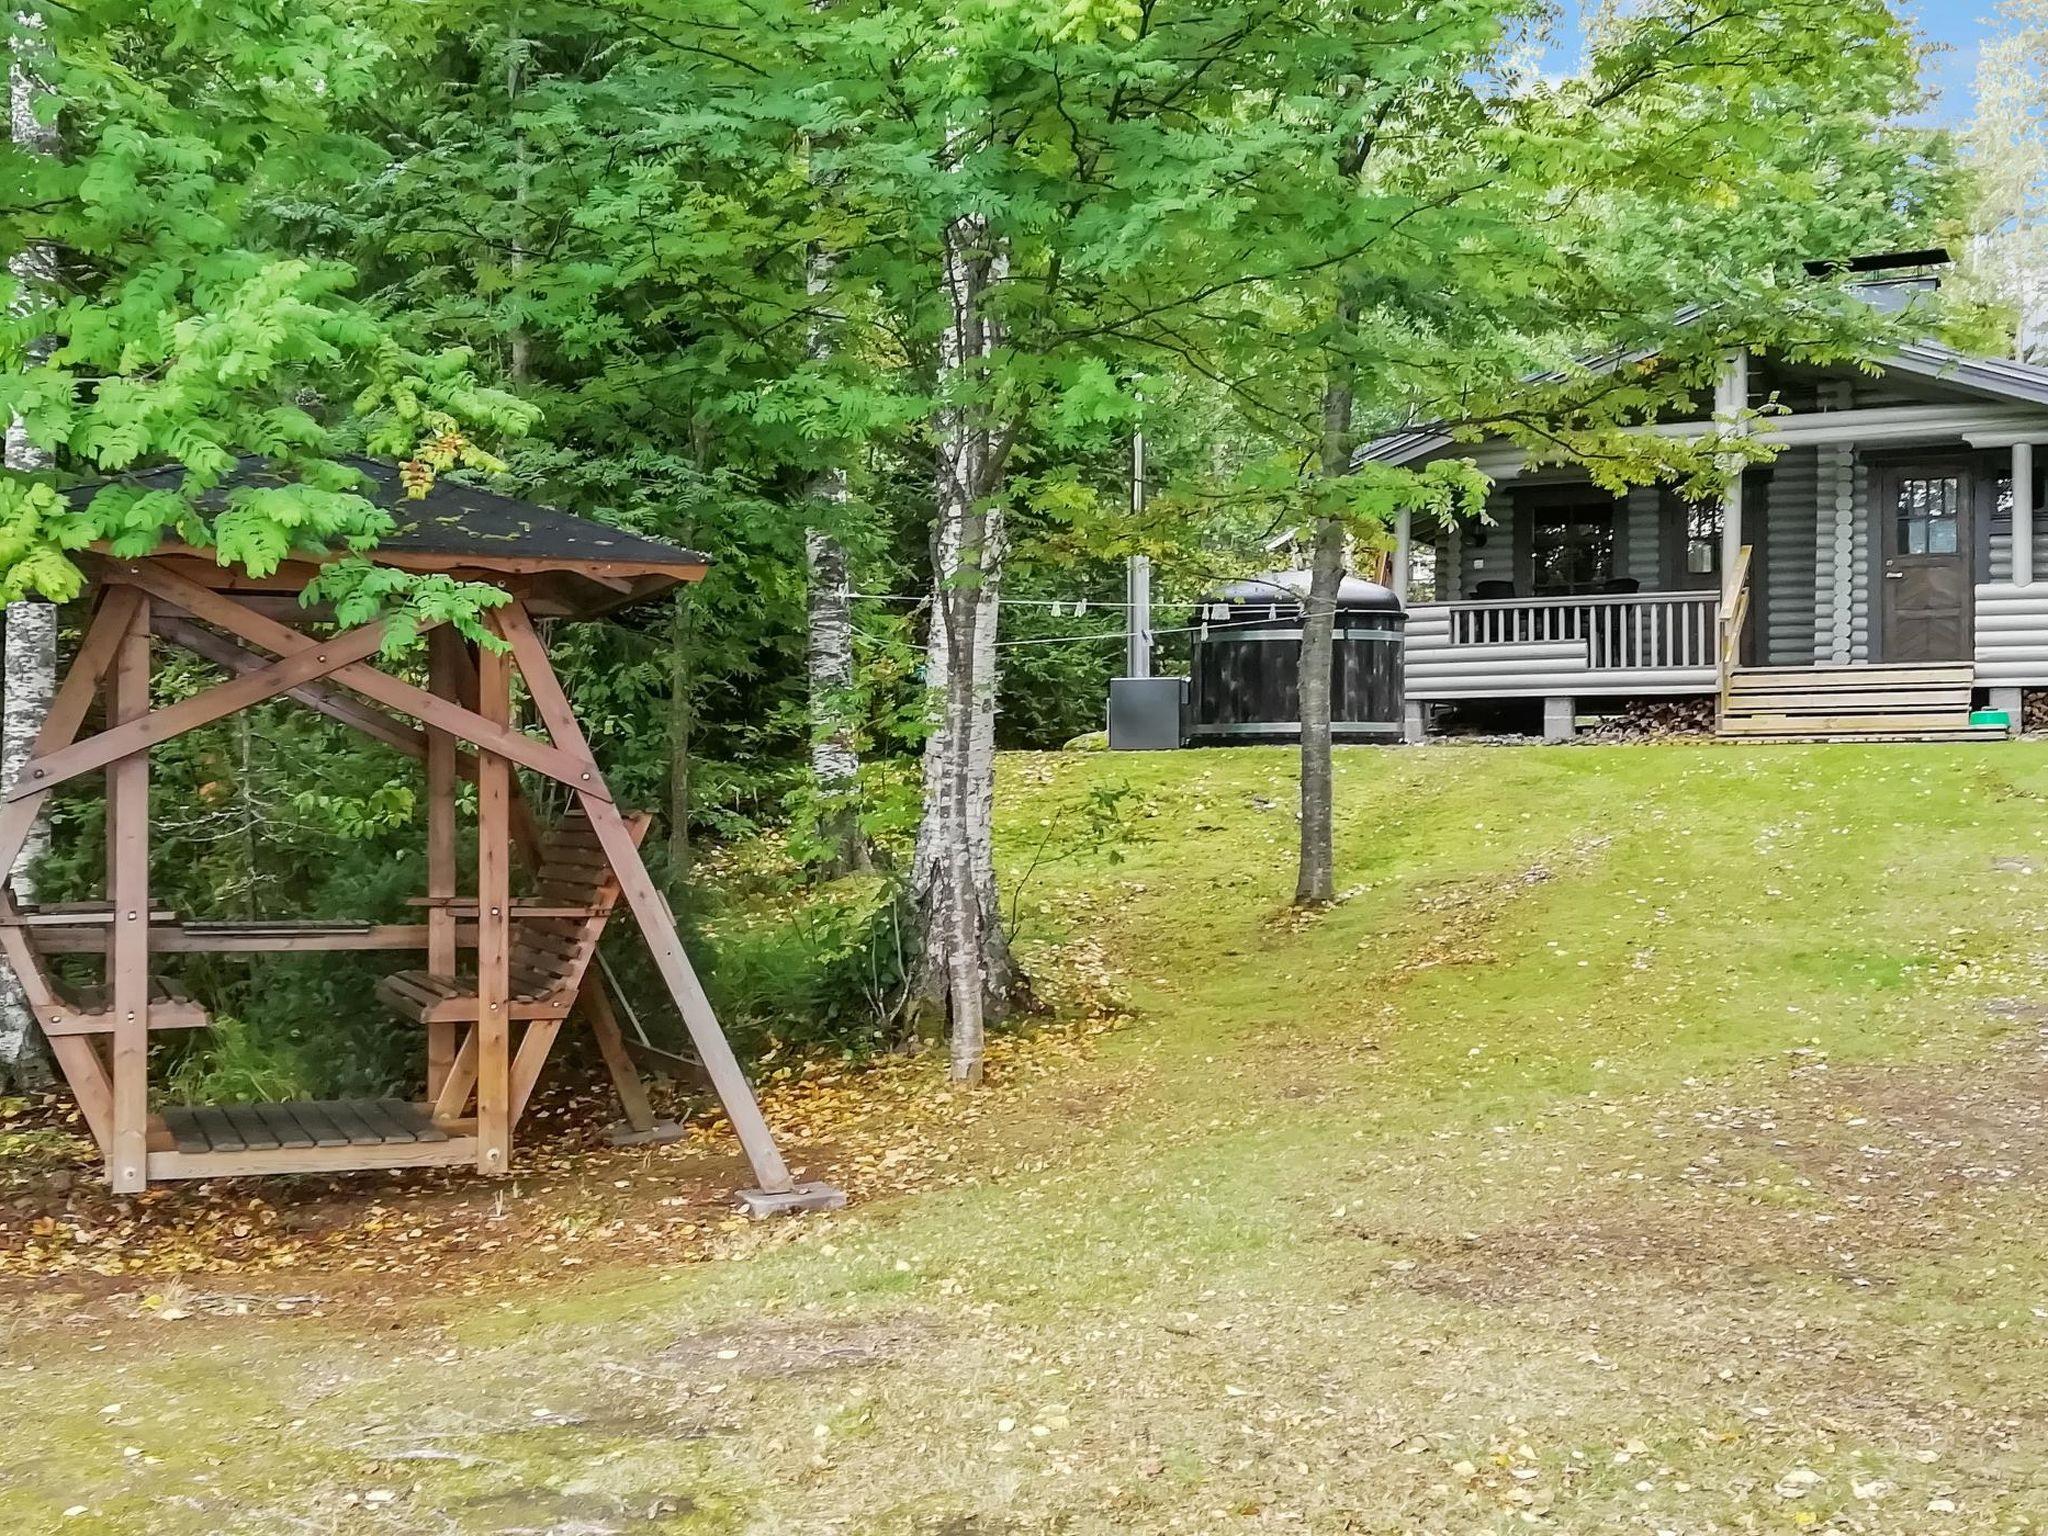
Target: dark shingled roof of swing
{"x": 455, "y": 523}
{"x": 458, "y": 519}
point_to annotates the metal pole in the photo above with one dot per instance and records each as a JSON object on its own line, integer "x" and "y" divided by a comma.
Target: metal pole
{"x": 1138, "y": 578}
{"x": 1404, "y": 552}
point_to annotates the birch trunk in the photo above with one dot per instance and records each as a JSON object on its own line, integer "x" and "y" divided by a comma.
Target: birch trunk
{"x": 828, "y": 651}
{"x": 1316, "y": 882}
{"x": 828, "y": 655}
{"x": 682, "y": 721}
{"x": 28, "y": 669}
{"x": 519, "y": 363}
{"x": 963, "y": 968}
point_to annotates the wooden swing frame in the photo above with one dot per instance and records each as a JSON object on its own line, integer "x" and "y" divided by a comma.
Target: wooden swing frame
{"x": 460, "y": 726}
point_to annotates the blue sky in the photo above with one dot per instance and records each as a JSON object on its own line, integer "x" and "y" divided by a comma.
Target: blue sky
{"x": 1960, "y": 25}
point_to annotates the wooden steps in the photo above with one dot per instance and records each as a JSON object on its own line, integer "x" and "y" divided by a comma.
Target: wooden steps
{"x": 1852, "y": 703}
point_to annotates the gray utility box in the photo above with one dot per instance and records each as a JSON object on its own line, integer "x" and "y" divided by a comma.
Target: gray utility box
{"x": 1147, "y": 714}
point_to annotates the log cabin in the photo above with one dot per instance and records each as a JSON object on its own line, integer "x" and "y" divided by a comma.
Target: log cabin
{"x": 1875, "y": 579}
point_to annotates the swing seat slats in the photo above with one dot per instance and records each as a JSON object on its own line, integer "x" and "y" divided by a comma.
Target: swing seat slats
{"x": 62, "y": 1010}
{"x": 551, "y": 949}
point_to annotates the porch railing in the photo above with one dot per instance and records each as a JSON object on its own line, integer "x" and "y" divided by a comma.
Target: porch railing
{"x": 1636, "y": 631}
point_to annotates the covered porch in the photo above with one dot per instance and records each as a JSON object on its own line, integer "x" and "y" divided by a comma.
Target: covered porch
{"x": 1896, "y": 531}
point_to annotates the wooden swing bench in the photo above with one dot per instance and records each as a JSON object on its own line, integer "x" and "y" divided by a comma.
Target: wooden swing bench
{"x": 65, "y": 1011}
{"x": 556, "y": 935}
{"x": 533, "y": 957}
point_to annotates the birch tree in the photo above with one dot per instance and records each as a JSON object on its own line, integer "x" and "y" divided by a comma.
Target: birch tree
{"x": 28, "y": 666}
{"x": 828, "y": 628}
{"x": 2007, "y": 254}
{"x": 955, "y": 862}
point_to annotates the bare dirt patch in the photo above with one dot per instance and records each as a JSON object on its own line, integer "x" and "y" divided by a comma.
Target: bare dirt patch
{"x": 1572, "y": 1255}
{"x": 1841, "y": 1172}
{"x": 781, "y": 1351}
{"x": 1461, "y": 913}
{"x": 544, "y": 1512}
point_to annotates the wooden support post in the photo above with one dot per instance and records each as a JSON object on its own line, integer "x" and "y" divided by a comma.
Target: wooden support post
{"x": 494, "y": 925}
{"x": 444, "y": 649}
{"x": 453, "y": 1100}
{"x": 1731, "y": 399}
{"x": 658, "y": 927}
{"x": 128, "y": 885}
{"x": 84, "y": 1069}
{"x": 596, "y": 1006}
{"x": 534, "y": 1046}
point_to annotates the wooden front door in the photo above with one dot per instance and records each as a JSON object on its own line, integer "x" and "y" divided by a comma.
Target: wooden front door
{"x": 1926, "y": 536}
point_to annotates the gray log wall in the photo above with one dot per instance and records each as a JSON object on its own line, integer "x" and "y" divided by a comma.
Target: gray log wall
{"x": 1788, "y": 595}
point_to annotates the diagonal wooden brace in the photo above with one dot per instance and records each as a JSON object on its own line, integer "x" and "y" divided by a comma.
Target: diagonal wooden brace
{"x": 657, "y": 923}
{"x": 241, "y": 661}
{"x": 319, "y": 659}
{"x": 103, "y": 636}
{"x": 578, "y": 771}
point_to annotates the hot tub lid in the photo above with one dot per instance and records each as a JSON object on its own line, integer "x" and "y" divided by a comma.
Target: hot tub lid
{"x": 1354, "y": 593}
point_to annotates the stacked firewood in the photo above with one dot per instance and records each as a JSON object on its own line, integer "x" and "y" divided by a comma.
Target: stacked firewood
{"x": 2034, "y": 710}
{"x": 1654, "y": 720}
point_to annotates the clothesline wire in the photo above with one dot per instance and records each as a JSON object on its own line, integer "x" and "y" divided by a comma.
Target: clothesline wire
{"x": 1121, "y": 634}
{"x": 1009, "y": 602}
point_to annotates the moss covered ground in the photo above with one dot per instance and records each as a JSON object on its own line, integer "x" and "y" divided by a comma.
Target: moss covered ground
{"x": 1651, "y": 1139}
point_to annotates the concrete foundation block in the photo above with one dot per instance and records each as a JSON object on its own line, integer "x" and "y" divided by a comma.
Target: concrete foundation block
{"x": 658, "y": 1134}
{"x": 805, "y": 1197}
{"x": 2008, "y": 699}
{"x": 1557, "y": 718}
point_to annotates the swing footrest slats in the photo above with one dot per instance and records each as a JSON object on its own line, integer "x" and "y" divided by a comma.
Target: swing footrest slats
{"x": 326, "y": 1123}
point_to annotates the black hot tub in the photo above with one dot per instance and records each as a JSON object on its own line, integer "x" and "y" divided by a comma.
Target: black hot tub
{"x": 1246, "y": 649}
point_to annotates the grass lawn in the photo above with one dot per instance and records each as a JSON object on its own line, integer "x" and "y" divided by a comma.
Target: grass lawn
{"x": 1652, "y": 1139}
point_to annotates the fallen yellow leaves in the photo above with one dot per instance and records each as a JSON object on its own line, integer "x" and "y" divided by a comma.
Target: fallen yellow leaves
{"x": 875, "y": 1129}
